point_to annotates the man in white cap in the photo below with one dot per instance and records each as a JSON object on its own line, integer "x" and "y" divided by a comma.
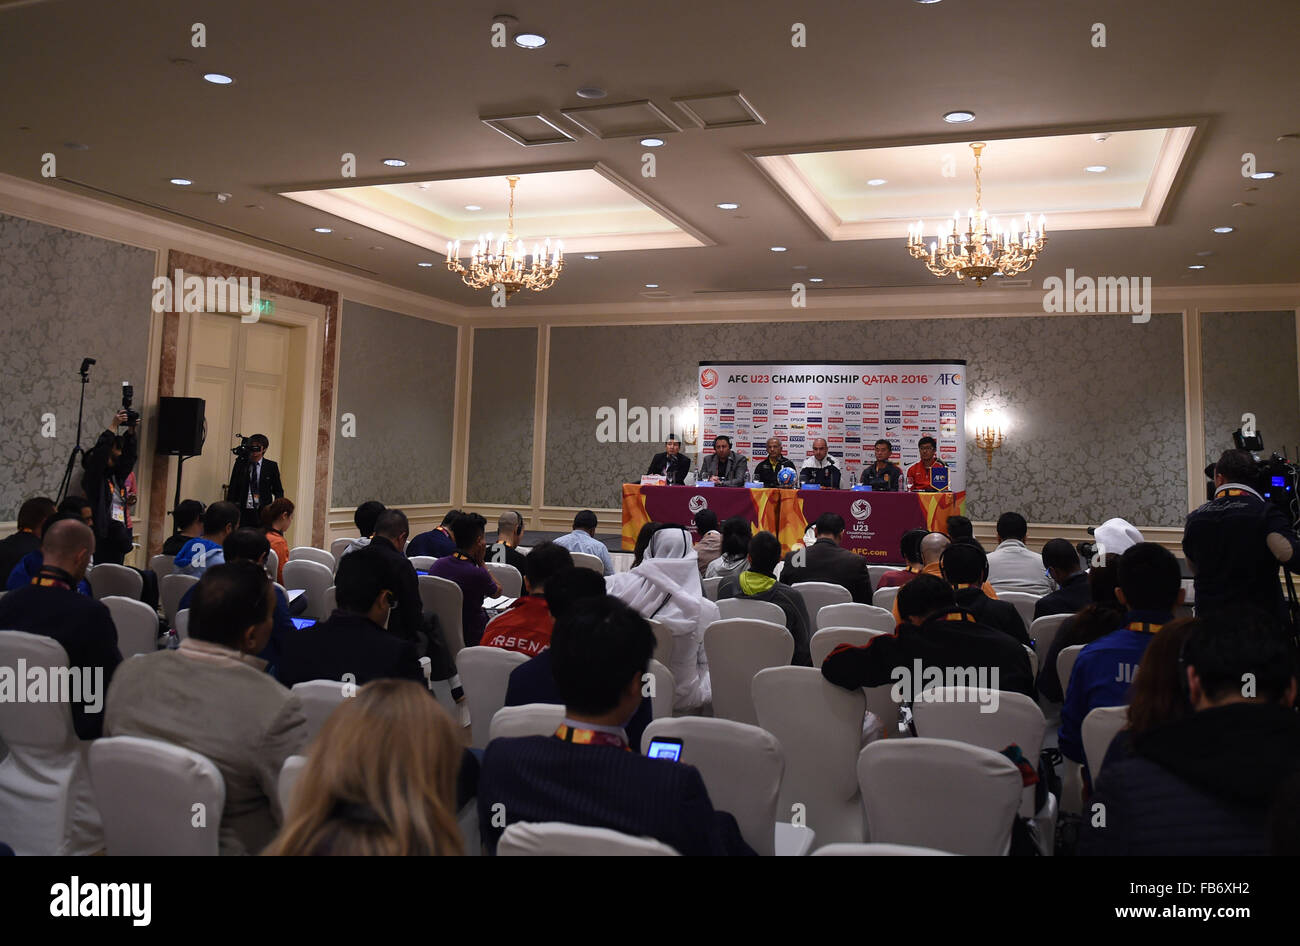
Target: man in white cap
{"x": 1115, "y": 536}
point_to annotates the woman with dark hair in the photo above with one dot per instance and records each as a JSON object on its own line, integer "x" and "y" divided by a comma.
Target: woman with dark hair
{"x": 1096, "y": 620}
{"x": 735, "y": 550}
{"x": 276, "y": 518}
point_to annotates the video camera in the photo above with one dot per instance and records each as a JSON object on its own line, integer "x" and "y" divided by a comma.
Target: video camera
{"x": 245, "y": 449}
{"x": 1276, "y": 478}
{"x": 128, "y": 395}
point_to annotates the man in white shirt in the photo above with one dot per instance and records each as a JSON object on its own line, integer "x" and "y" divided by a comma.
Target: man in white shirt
{"x": 583, "y": 539}
{"x": 820, "y": 468}
{"x": 1013, "y": 566}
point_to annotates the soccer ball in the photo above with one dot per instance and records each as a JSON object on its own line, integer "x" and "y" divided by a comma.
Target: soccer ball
{"x": 786, "y": 476}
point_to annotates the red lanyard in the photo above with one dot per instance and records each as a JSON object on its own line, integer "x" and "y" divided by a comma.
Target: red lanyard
{"x": 591, "y": 737}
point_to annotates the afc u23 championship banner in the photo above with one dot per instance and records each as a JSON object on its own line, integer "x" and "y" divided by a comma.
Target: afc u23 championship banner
{"x": 852, "y": 404}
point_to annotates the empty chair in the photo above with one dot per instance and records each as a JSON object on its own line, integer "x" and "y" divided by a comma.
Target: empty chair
{"x": 136, "y": 623}
{"x": 754, "y": 610}
{"x": 852, "y": 614}
{"x": 162, "y": 565}
{"x": 1100, "y": 726}
{"x": 884, "y": 598}
{"x": 554, "y": 839}
{"x": 443, "y": 597}
{"x": 587, "y": 560}
{"x": 508, "y": 577}
{"x": 819, "y": 727}
{"x": 319, "y": 698}
{"x": 171, "y": 588}
{"x": 146, "y": 790}
{"x": 531, "y": 719}
{"x": 182, "y": 625}
{"x": 939, "y": 793}
{"x": 313, "y": 578}
{"x": 337, "y": 547}
{"x": 1043, "y": 633}
{"x": 47, "y": 805}
{"x": 828, "y": 638}
{"x": 422, "y": 563}
{"x": 309, "y": 554}
{"x": 1065, "y": 664}
{"x": 663, "y": 641}
{"x": 877, "y": 850}
{"x": 737, "y": 648}
{"x": 819, "y": 594}
{"x": 661, "y": 700}
{"x": 1024, "y": 603}
{"x": 109, "y": 579}
{"x": 711, "y": 587}
{"x": 290, "y": 772}
{"x": 485, "y": 673}
{"x": 273, "y": 564}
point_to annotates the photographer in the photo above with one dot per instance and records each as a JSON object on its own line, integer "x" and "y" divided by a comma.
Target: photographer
{"x": 1237, "y": 540}
{"x": 107, "y": 465}
{"x": 254, "y": 481}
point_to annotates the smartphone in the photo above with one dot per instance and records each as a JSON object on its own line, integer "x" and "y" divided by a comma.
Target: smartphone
{"x": 301, "y": 623}
{"x": 665, "y": 747}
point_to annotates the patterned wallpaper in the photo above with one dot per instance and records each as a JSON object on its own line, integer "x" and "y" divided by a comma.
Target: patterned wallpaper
{"x": 501, "y": 416}
{"x": 397, "y": 375}
{"x": 1248, "y": 363}
{"x": 64, "y": 296}
{"x": 1096, "y": 403}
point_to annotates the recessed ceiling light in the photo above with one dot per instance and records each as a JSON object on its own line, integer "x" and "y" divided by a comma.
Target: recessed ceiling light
{"x": 1205, "y": 253}
{"x": 1096, "y": 168}
{"x": 376, "y": 247}
{"x": 217, "y": 78}
{"x": 652, "y": 142}
{"x": 818, "y": 278}
{"x": 182, "y": 181}
{"x": 590, "y": 92}
{"x": 728, "y": 205}
{"x": 927, "y": 1}
{"x": 1242, "y": 203}
{"x": 1197, "y": 266}
{"x": 590, "y": 256}
{"x": 652, "y": 285}
{"x": 778, "y": 249}
{"x": 473, "y": 207}
{"x": 956, "y": 118}
{"x": 323, "y": 229}
{"x": 424, "y": 265}
{"x": 1263, "y": 175}
{"x": 76, "y": 146}
{"x": 877, "y": 181}
{"x": 1224, "y": 229}
{"x": 395, "y": 162}
{"x": 799, "y": 268}
{"x": 530, "y": 40}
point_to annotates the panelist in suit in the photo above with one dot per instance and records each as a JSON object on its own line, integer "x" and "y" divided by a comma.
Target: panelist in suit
{"x": 767, "y": 468}
{"x": 883, "y": 475}
{"x": 671, "y": 463}
{"x": 586, "y": 772}
{"x": 254, "y": 482}
{"x": 722, "y": 466}
{"x": 820, "y": 469}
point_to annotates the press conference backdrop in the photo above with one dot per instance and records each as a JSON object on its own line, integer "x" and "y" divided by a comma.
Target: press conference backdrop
{"x": 852, "y": 404}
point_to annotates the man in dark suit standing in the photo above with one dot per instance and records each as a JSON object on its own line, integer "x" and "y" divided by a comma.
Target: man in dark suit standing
{"x": 586, "y": 773}
{"x": 671, "y": 463}
{"x": 254, "y": 482}
{"x": 824, "y": 560}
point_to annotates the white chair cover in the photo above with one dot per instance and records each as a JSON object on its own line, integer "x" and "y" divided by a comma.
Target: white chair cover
{"x": 290, "y": 772}
{"x": 147, "y": 790}
{"x": 1065, "y": 665}
{"x": 272, "y": 565}
{"x": 337, "y": 547}
{"x": 877, "y": 850}
{"x": 1043, "y": 632}
{"x": 171, "y": 588}
{"x": 47, "y": 805}
{"x": 313, "y": 578}
{"x": 878, "y": 571}
{"x": 853, "y": 614}
{"x": 422, "y": 563}
{"x": 819, "y": 726}
{"x": 828, "y": 638}
{"x": 737, "y": 648}
{"x": 661, "y": 701}
{"x": 820, "y": 594}
{"x": 884, "y": 598}
{"x": 109, "y": 579}
{"x": 1100, "y": 726}
{"x": 663, "y": 641}
{"x": 1024, "y": 603}
{"x": 136, "y": 623}
{"x": 531, "y": 719}
{"x": 307, "y": 553}
{"x": 711, "y": 587}
{"x": 182, "y": 625}
{"x": 507, "y": 576}
{"x": 162, "y": 565}
{"x": 331, "y": 600}
{"x": 587, "y": 560}
{"x": 939, "y": 793}
{"x": 485, "y": 674}
{"x": 751, "y": 609}
{"x": 443, "y": 597}
{"x": 553, "y": 839}
{"x": 319, "y": 698}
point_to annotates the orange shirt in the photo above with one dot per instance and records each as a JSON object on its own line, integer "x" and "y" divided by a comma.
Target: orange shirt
{"x": 525, "y": 627}
{"x": 281, "y": 548}
{"x": 918, "y": 474}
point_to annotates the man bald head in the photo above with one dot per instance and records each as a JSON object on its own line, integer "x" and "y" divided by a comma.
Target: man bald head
{"x": 932, "y": 547}
{"x": 68, "y": 544}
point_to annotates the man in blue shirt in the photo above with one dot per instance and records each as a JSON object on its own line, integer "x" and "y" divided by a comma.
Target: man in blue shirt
{"x": 1150, "y": 586}
{"x": 198, "y": 555}
{"x": 583, "y": 539}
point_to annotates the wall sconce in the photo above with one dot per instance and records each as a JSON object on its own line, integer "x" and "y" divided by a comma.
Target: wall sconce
{"x": 988, "y": 436}
{"x": 691, "y": 434}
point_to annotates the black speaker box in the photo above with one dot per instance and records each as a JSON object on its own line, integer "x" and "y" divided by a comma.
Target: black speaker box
{"x": 180, "y": 426}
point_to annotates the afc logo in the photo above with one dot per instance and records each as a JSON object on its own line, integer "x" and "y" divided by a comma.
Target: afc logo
{"x": 708, "y": 378}
{"x": 950, "y": 378}
{"x": 697, "y": 503}
{"x": 861, "y": 509}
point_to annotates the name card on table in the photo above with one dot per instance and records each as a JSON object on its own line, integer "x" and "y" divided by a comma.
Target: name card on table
{"x": 658, "y": 480}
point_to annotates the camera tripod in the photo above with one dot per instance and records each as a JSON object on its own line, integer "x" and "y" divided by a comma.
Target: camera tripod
{"x": 77, "y": 451}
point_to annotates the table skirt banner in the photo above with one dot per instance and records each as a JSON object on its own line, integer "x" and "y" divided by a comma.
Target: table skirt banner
{"x": 873, "y": 522}
{"x": 679, "y": 504}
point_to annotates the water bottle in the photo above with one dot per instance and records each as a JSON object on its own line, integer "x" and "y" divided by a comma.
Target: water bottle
{"x": 173, "y": 639}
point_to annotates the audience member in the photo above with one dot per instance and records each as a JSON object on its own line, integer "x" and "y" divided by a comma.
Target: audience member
{"x": 937, "y": 633}
{"x": 1116, "y": 536}
{"x": 583, "y": 539}
{"x": 909, "y": 546}
{"x": 438, "y": 542}
{"x": 1072, "y": 593}
{"x": 932, "y": 547}
{"x": 197, "y": 555}
{"x": 584, "y": 773}
{"x": 709, "y": 545}
{"x": 643, "y": 538}
{"x": 105, "y": 467}
{"x": 73, "y": 508}
{"x": 31, "y": 520}
{"x": 960, "y": 529}
{"x": 510, "y": 529}
{"x": 353, "y": 640}
{"x": 666, "y": 587}
{"x": 825, "y": 560}
{"x": 83, "y": 627}
{"x": 758, "y": 583}
{"x": 1096, "y": 620}
{"x": 966, "y": 568}
{"x": 381, "y": 780}
{"x": 364, "y": 518}
{"x": 465, "y": 568}
{"x": 276, "y": 519}
{"x": 526, "y": 626}
{"x": 734, "y": 559}
{"x": 1204, "y": 784}
{"x": 187, "y": 520}
{"x": 1013, "y": 566}
{"x": 210, "y": 695}
{"x": 1150, "y": 586}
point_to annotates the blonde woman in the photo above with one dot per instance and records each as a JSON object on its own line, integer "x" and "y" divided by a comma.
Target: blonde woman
{"x": 381, "y": 779}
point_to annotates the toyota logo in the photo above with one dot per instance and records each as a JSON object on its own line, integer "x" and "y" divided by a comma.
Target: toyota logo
{"x": 697, "y": 503}
{"x": 708, "y": 378}
{"x": 860, "y": 509}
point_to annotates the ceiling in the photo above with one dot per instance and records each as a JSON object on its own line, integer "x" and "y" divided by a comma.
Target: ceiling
{"x": 320, "y": 79}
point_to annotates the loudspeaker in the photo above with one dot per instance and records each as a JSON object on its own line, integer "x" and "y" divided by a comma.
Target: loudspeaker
{"x": 180, "y": 426}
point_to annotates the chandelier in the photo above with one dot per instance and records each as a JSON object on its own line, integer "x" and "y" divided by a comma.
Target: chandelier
{"x": 504, "y": 262}
{"x": 981, "y": 249}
